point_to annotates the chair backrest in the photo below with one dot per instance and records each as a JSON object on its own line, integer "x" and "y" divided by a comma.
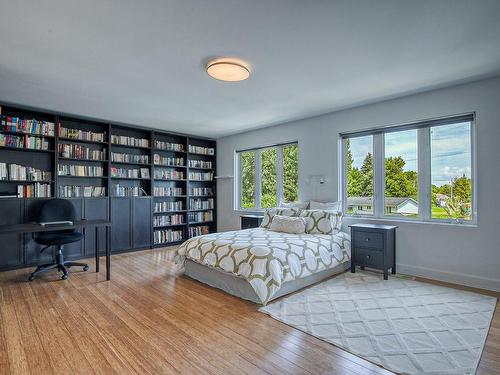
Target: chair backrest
{"x": 57, "y": 210}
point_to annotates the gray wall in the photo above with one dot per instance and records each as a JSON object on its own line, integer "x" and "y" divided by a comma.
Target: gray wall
{"x": 465, "y": 255}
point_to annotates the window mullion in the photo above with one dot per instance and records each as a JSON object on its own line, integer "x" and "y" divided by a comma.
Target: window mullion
{"x": 378, "y": 174}
{"x": 424, "y": 173}
{"x": 279, "y": 175}
{"x": 258, "y": 180}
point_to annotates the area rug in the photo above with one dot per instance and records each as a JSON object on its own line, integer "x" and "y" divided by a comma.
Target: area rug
{"x": 403, "y": 325}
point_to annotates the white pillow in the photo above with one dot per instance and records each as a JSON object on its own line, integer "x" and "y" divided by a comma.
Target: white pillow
{"x": 322, "y": 221}
{"x": 287, "y": 224}
{"x": 271, "y": 212}
{"x": 301, "y": 205}
{"x": 331, "y": 206}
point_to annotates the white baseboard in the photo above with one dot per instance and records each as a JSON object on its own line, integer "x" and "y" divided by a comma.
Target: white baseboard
{"x": 451, "y": 277}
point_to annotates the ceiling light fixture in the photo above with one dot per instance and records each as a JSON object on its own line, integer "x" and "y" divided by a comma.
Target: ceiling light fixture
{"x": 228, "y": 69}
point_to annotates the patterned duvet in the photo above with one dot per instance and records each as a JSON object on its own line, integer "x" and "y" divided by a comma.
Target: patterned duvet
{"x": 267, "y": 259}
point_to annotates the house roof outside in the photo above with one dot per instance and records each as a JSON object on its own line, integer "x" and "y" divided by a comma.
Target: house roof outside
{"x": 389, "y": 201}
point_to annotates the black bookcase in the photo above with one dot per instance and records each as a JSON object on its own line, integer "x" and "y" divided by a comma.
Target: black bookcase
{"x": 158, "y": 188}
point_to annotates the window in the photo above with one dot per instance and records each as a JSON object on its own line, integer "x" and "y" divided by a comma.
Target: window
{"x": 420, "y": 171}
{"x": 268, "y": 176}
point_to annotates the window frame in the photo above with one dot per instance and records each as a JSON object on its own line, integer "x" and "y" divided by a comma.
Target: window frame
{"x": 257, "y": 176}
{"x": 423, "y": 169}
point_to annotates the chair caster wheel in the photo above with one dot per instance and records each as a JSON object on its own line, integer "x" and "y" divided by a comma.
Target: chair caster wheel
{"x": 64, "y": 277}
{"x": 86, "y": 268}
{"x": 31, "y": 278}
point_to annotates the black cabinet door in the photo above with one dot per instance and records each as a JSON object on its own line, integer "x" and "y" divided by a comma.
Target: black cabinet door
{"x": 33, "y": 255}
{"x": 95, "y": 209}
{"x": 141, "y": 222}
{"x": 121, "y": 234}
{"x": 75, "y": 249}
{"x": 11, "y": 254}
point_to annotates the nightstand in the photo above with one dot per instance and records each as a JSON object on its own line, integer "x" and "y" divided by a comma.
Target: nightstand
{"x": 373, "y": 246}
{"x": 250, "y": 221}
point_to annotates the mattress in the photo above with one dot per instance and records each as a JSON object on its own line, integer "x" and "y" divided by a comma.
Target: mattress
{"x": 264, "y": 259}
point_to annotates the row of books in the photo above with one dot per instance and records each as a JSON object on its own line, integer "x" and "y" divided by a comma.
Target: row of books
{"x": 168, "y": 191}
{"x": 37, "y": 190}
{"x": 201, "y": 176}
{"x": 15, "y": 141}
{"x": 164, "y": 220}
{"x": 129, "y": 141}
{"x": 80, "y": 170}
{"x": 81, "y": 152}
{"x": 200, "y": 164}
{"x": 15, "y": 172}
{"x": 167, "y": 235}
{"x": 27, "y": 126}
{"x": 81, "y": 135}
{"x": 201, "y": 150}
{"x": 168, "y": 161}
{"x": 72, "y": 191}
{"x": 130, "y": 172}
{"x": 129, "y": 158}
{"x": 201, "y": 204}
{"x": 200, "y": 217}
{"x": 168, "y": 206}
{"x": 168, "y": 146}
{"x": 168, "y": 174}
{"x": 202, "y": 191}
{"x": 118, "y": 190}
{"x": 198, "y": 230}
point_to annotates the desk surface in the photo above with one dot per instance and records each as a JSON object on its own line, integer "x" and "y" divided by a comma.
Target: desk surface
{"x": 35, "y": 227}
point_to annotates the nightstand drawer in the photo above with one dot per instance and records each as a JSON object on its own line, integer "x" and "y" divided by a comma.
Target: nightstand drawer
{"x": 369, "y": 239}
{"x": 365, "y": 257}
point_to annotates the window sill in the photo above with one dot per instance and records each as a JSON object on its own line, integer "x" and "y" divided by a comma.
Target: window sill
{"x": 411, "y": 221}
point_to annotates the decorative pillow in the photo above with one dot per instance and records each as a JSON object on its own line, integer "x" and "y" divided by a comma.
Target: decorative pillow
{"x": 301, "y": 205}
{"x": 322, "y": 221}
{"x": 270, "y": 212}
{"x": 331, "y": 206}
{"x": 289, "y": 224}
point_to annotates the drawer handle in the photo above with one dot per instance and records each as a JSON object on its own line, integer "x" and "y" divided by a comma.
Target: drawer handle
{"x": 367, "y": 239}
{"x": 367, "y": 257}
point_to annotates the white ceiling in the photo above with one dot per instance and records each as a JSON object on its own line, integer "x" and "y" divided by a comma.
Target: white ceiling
{"x": 142, "y": 62}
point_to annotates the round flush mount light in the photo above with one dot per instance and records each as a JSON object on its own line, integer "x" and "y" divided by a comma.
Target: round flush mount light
{"x": 228, "y": 69}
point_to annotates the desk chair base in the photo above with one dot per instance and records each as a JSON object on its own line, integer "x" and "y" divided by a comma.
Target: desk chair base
{"x": 60, "y": 264}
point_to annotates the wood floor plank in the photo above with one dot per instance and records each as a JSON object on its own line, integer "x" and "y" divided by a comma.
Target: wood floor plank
{"x": 149, "y": 319}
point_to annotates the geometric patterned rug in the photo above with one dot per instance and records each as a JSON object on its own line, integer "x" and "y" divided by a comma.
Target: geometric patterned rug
{"x": 404, "y": 325}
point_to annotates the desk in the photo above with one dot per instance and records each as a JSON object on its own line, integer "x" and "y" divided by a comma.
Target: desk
{"x": 36, "y": 228}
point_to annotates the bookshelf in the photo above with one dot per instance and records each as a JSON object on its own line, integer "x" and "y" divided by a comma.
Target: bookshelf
{"x": 157, "y": 187}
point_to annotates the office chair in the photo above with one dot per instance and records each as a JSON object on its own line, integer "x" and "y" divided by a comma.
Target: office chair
{"x": 57, "y": 210}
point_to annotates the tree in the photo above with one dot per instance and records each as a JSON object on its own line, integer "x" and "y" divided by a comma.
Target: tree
{"x": 291, "y": 173}
{"x": 367, "y": 176}
{"x": 248, "y": 179}
{"x": 461, "y": 189}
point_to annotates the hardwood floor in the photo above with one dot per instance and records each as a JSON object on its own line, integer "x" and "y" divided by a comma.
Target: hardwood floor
{"x": 150, "y": 320}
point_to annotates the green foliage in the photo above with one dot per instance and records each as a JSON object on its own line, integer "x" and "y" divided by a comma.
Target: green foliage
{"x": 291, "y": 173}
{"x": 248, "y": 179}
{"x": 400, "y": 183}
{"x": 268, "y": 177}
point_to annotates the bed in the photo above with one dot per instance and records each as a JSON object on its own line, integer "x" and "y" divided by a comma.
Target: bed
{"x": 261, "y": 265}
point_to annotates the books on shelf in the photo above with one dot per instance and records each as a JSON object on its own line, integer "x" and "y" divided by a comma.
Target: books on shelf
{"x": 201, "y": 204}
{"x": 168, "y": 174}
{"x": 36, "y": 190}
{"x": 27, "y": 126}
{"x": 130, "y": 172}
{"x": 81, "y": 135}
{"x": 202, "y": 191}
{"x": 129, "y": 141}
{"x": 15, "y": 172}
{"x": 198, "y": 230}
{"x": 118, "y": 190}
{"x": 81, "y": 152}
{"x": 200, "y": 164}
{"x": 164, "y": 220}
{"x": 26, "y": 141}
{"x": 169, "y": 146}
{"x": 79, "y": 170}
{"x": 201, "y": 150}
{"x": 168, "y": 161}
{"x": 72, "y": 191}
{"x": 129, "y": 158}
{"x": 200, "y": 217}
{"x": 167, "y": 235}
{"x": 201, "y": 176}
{"x": 168, "y": 191}
{"x": 168, "y": 206}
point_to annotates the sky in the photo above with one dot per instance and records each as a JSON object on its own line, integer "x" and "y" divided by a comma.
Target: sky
{"x": 450, "y": 150}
